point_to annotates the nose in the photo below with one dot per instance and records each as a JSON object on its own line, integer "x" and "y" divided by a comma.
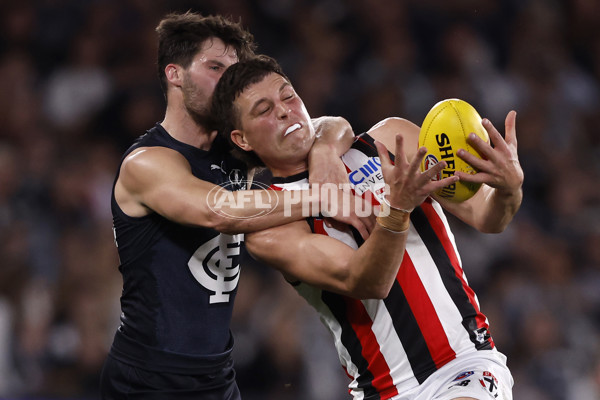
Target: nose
{"x": 283, "y": 111}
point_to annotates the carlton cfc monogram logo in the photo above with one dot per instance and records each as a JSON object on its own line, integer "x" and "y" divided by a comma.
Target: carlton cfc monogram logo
{"x": 215, "y": 265}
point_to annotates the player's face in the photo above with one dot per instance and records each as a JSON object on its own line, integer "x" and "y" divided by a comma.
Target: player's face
{"x": 201, "y": 77}
{"x": 275, "y": 124}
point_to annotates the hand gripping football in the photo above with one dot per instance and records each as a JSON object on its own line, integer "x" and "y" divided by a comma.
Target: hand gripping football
{"x": 444, "y": 131}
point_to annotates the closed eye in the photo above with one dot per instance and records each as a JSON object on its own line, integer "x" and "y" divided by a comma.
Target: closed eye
{"x": 260, "y": 107}
{"x": 262, "y": 111}
{"x": 288, "y": 95}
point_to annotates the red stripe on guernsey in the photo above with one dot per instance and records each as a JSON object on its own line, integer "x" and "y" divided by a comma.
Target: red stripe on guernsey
{"x": 273, "y": 187}
{"x": 370, "y": 198}
{"x": 318, "y": 226}
{"x": 440, "y": 230}
{"x": 424, "y": 312}
{"x": 361, "y": 324}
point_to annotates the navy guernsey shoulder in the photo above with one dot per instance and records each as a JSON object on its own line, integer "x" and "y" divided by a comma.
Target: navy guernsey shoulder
{"x": 215, "y": 166}
{"x": 179, "y": 282}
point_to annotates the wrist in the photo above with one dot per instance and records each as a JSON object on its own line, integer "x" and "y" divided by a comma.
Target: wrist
{"x": 387, "y": 203}
{"x": 320, "y": 154}
{"x": 393, "y": 219}
{"x": 314, "y": 200}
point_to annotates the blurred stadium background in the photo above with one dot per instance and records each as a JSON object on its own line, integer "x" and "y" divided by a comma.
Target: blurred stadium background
{"x": 78, "y": 84}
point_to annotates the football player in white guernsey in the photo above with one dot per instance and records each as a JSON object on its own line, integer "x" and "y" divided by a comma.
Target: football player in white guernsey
{"x": 424, "y": 337}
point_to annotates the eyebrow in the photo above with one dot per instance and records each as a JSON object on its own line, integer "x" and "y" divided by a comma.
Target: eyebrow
{"x": 216, "y": 62}
{"x": 262, "y": 100}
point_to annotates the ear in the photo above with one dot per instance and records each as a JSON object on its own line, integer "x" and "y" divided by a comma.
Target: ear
{"x": 239, "y": 139}
{"x": 174, "y": 74}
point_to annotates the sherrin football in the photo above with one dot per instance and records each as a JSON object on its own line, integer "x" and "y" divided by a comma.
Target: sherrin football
{"x": 445, "y": 130}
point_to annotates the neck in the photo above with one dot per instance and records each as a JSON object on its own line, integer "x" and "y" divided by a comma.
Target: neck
{"x": 288, "y": 170}
{"x": 181, "y": 126}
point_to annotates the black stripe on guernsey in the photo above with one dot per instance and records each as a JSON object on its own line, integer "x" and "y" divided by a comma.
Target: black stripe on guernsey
{"x": 293, "y": 178}
{"x": 356, "y": 235}
{"x": 311, "y": 223}
{"x": 366, "y": 144}
{"x": 407, "y": 328}
{"x": 349, "y": 339}
{"x": 451, "y": 282}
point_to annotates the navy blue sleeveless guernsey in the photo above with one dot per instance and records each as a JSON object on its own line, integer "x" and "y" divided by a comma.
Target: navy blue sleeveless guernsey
{"x": 179, "y": 282}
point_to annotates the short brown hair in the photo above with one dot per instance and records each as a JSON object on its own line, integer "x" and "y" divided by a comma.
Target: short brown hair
{"x": 233, "y": 82}
{"x": 180, "y": 36}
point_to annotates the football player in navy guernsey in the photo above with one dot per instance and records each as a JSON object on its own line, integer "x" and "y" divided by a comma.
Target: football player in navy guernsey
{"x": 179, "y": 253}
{"x": 424, "y": 337}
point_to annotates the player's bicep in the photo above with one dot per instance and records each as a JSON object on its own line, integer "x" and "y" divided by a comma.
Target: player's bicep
{"x": 161, "y": 180}
{"x": 301, "y": 255}
{"x": 386, "y": 130}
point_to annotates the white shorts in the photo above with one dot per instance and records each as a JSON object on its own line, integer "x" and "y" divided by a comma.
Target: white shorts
{"x": 483, "y": 376}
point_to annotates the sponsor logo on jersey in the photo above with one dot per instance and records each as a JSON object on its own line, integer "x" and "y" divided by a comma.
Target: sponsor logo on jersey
{"x": 367, "y": 177}
{"x": 481, "y": 335}
{"x": 219, "y": 167}
{"x": 365, "y": 171}
{"x": 237, "y": 181}
{"x": 489, "y": 383}
{"x": 236, "y": 177}
{"x": 463, "y": 375}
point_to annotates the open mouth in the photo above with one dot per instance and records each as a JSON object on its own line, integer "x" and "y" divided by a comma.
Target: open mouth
{"x": 292, "y": 128}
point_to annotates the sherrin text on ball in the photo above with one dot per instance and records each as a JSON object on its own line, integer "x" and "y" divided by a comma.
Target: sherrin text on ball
{"x": 444, "y": 131}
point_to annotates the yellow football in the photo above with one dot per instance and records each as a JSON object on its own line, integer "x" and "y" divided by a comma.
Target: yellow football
{"x": 444, "y": 131}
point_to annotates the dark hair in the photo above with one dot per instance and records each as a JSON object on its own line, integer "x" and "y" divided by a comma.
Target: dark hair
{"x": 180, "y": 36}
{"x": 236, "y": 79}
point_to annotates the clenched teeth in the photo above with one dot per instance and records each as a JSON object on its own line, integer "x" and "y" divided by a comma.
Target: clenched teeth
{"x": 292, "y": 128}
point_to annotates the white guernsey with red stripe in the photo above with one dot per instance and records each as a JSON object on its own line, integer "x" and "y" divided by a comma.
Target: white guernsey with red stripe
{"x": 431, "y": 315}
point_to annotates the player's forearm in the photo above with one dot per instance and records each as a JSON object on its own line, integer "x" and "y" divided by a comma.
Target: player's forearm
{"x": 499, "y": 209}
{"x": 334, "y": 136}
{"x": 375, "y": 264}
{"x": 248, "y": 211}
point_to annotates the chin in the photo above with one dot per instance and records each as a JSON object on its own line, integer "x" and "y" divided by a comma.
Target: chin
{"x": 302, "y": 145}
